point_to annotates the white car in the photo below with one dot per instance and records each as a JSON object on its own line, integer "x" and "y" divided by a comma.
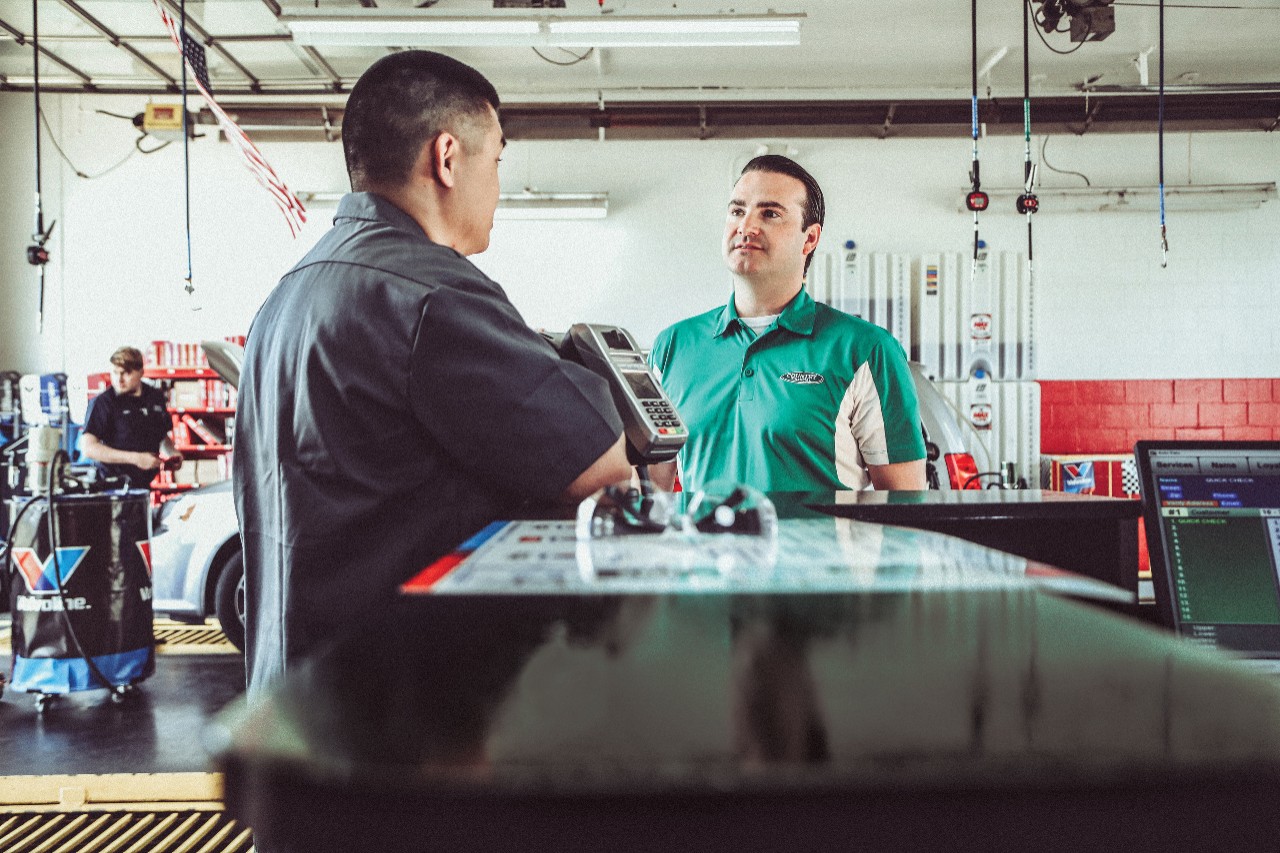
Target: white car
{"x": 198, "y": 568}
{"x": 196, "y": 565}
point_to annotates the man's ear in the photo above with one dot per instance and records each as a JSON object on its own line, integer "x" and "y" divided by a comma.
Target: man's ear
{"x": 443, "y": 158}
{"x": 811, "y": 235}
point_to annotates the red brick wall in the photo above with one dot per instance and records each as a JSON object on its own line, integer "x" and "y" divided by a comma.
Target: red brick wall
{"x": 1108, "y": 416}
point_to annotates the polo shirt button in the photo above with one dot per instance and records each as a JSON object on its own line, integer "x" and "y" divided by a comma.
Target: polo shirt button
{"x": 750, "y": 371}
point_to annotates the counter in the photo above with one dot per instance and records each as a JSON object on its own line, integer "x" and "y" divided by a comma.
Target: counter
{"x": 881, "y": 688}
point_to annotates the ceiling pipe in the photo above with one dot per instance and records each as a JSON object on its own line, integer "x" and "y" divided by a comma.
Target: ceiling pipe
{"x": 116, "y": 41}
{"x": 335, "y": 79}
{"x": 16, "y": 35}
{"x": 77, "y": 38}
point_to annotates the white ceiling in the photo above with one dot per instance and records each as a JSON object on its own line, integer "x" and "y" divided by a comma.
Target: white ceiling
{"x": 864, "y": 49}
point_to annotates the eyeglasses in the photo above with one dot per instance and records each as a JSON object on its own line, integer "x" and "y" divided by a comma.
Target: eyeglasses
{"x": 625, "y": 510}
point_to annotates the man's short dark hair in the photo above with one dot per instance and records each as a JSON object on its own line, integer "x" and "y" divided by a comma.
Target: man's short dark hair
{"x": 815, "y": 207}
{"x": 127, "y": 358}
{"x": 402, "y": 102}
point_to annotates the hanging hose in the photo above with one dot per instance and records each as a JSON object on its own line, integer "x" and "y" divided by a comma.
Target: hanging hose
{"x": 976, "y": 200}
{"x": 1164, "y": 234}
{"x": 37, "y": 255}
{"x": 186, "y": 144}
{"x": 1027, "y": 202}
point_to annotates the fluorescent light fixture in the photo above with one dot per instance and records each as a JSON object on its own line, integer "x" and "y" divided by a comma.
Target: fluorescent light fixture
{"x": 412, "y": 31}
{"x": 1201, "y": 197}
{"x": 393, "y": 28}
{"x": 524, "y": 205}
{"x": 682, "y": 31}
{"x": 537, "y": 205}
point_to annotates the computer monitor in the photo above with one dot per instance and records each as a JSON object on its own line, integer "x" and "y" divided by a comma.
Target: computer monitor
{"x": 1212, "y": 513}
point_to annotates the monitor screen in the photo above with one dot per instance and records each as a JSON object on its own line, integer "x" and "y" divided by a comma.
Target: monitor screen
{"x": 1213, "y": 530}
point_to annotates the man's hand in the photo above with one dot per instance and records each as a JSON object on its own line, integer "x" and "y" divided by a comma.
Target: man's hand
{"x": 663, "y": 475}
{"x": 610, "y": 468}
{"x": 146, "y": 461}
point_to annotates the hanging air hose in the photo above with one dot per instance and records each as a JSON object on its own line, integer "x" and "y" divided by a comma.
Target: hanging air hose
{"x": 1164, "y": 234}
{"x": 186, "y": 149}
{"x": 976, "y": 200}
{"x": 37, "y": 254}
{"x": 1027, "y": 202}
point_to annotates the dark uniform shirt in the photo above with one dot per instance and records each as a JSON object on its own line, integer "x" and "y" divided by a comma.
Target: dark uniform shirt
{"x": 136, "y": 422}
{"x": 392, "y": 402}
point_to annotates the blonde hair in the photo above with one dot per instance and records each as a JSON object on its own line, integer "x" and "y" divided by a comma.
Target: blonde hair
{"x": 127, "y": 358}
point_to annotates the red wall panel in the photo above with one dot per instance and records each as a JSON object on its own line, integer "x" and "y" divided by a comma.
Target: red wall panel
{"x": 1108, "y": 416}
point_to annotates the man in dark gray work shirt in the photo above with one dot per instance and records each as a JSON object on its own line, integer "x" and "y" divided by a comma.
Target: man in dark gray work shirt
{"x": 392, "y": 400}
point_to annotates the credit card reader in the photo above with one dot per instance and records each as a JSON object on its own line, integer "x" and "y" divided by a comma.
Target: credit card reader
{"x": 652, "y": 427}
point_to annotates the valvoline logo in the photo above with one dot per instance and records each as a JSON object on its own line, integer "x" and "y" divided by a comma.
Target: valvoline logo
{"x": 802, "y": 377}
{"x": 40, "y": 576}
{"x": 1077, "y": 477}
{"x": 144, "y": 548}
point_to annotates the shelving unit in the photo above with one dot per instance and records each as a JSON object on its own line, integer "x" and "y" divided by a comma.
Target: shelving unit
{"x": 203, "y": 409}
{"x": 201, "y": 406}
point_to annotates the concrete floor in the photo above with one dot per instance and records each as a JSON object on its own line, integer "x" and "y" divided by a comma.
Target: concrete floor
{"x": 156, "y": 729}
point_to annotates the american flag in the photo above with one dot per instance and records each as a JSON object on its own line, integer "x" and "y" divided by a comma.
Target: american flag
{"x": 194, "y": 54}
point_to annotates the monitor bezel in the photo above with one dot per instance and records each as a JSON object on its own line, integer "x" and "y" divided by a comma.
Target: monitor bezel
{"x": 1162, "y": 585}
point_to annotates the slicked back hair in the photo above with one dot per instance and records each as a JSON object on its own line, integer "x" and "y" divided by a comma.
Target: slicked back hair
{"x": 127, "y": 358}
{"x": 402, "y": 102}
{"x": 815, "y": 207}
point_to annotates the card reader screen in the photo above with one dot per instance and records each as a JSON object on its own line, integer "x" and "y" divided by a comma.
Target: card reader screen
{"x": 643, "y": 386}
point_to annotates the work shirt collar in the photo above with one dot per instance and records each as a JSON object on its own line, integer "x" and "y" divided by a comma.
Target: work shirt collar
{"x": 375, "y": 208}
{"x": 796, "y": 317}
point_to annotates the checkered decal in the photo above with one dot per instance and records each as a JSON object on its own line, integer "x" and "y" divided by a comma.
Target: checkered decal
{"x": 1129, "y": 483}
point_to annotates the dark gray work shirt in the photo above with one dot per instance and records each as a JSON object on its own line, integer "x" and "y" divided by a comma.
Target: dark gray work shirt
{"x": 392, "y": 402}
{"x": 135, "y": 422}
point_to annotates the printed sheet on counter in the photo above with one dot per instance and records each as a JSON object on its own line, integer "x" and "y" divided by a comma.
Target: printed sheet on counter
{"x": 806, "y": 556}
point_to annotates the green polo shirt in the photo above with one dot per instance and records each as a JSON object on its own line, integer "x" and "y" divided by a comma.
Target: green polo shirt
{"x": 806, "y": 405}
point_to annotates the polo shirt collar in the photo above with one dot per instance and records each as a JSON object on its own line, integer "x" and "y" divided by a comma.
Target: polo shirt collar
{"x": 375, "y": 208}
{"x": 796, "y": 317}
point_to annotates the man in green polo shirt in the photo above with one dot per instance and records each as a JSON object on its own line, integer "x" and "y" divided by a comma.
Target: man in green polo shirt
{"x": 778, "y": 391}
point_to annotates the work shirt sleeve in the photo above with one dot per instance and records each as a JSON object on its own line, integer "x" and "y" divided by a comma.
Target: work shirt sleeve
{"x": 660, "y": 354}
{"x": 500, "y": 400}
{"x": 99, "y": 421}
{"x": 881, "y": 408}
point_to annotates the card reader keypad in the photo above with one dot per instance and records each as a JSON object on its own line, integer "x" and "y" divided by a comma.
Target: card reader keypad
{"x": 663, "y": 417}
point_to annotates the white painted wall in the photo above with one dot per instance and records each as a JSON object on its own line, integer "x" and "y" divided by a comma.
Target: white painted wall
{"x": 19, "y": 342}
{"x": 1106, "y": 308}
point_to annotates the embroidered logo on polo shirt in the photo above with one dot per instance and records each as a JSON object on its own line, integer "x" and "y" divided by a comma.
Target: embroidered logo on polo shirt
{"x": 801, "y": 377}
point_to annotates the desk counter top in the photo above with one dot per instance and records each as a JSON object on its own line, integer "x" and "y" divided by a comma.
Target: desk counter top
{"x": 596, "y": 720}
{"x": 968, "y": 504}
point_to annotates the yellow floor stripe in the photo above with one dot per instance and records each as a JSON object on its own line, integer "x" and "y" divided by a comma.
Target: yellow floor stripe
{"x": 111, "y": 792}
{"x": 172, "y": 638}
